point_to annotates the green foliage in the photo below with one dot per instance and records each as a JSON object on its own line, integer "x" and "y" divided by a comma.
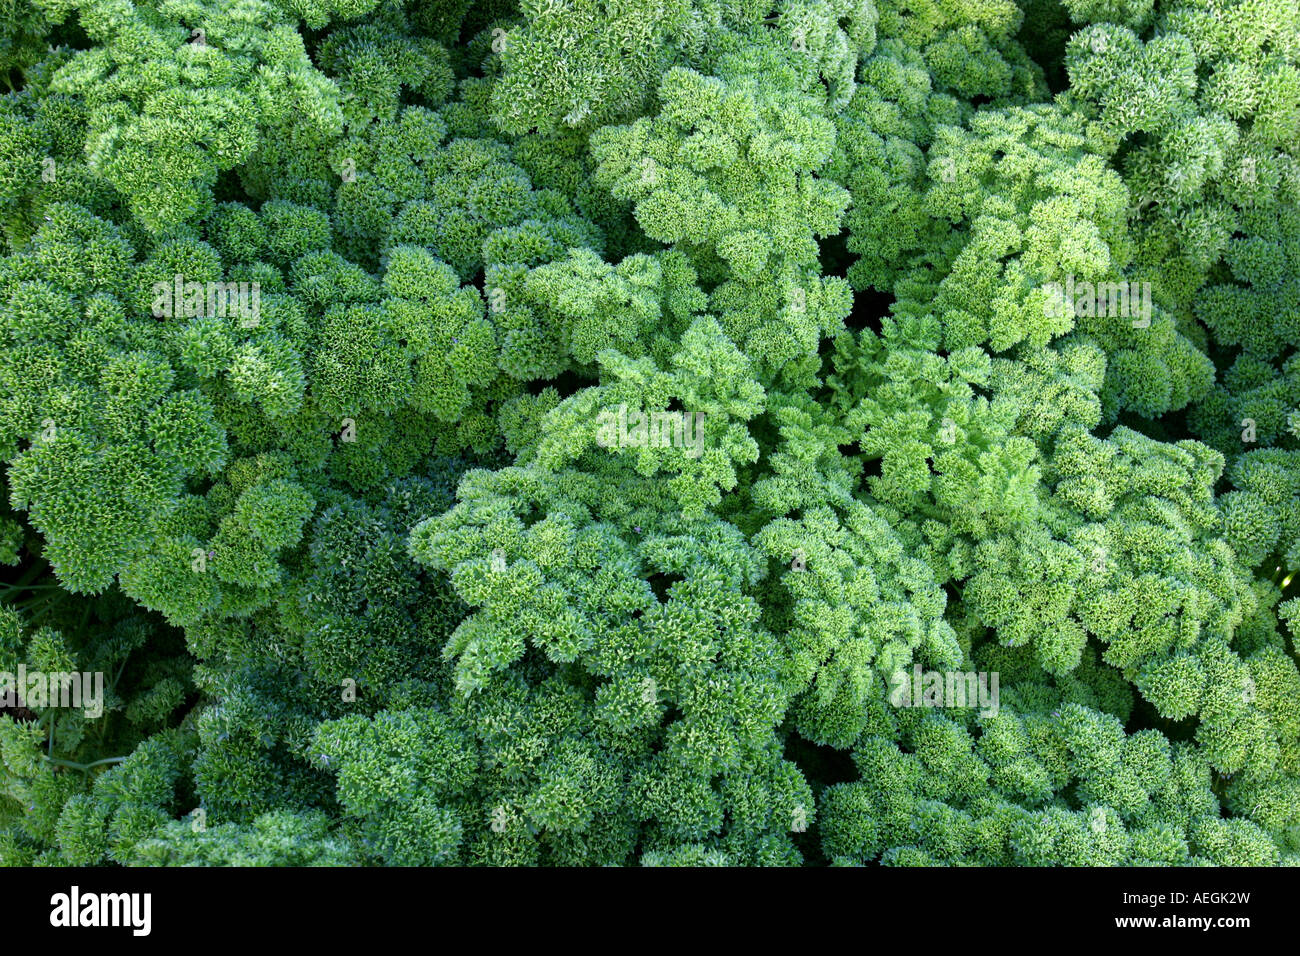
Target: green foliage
{"x": 671, "y": 433}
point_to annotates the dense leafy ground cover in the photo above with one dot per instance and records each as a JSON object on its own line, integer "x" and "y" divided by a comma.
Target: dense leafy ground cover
{"x": 616, "y": 423}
